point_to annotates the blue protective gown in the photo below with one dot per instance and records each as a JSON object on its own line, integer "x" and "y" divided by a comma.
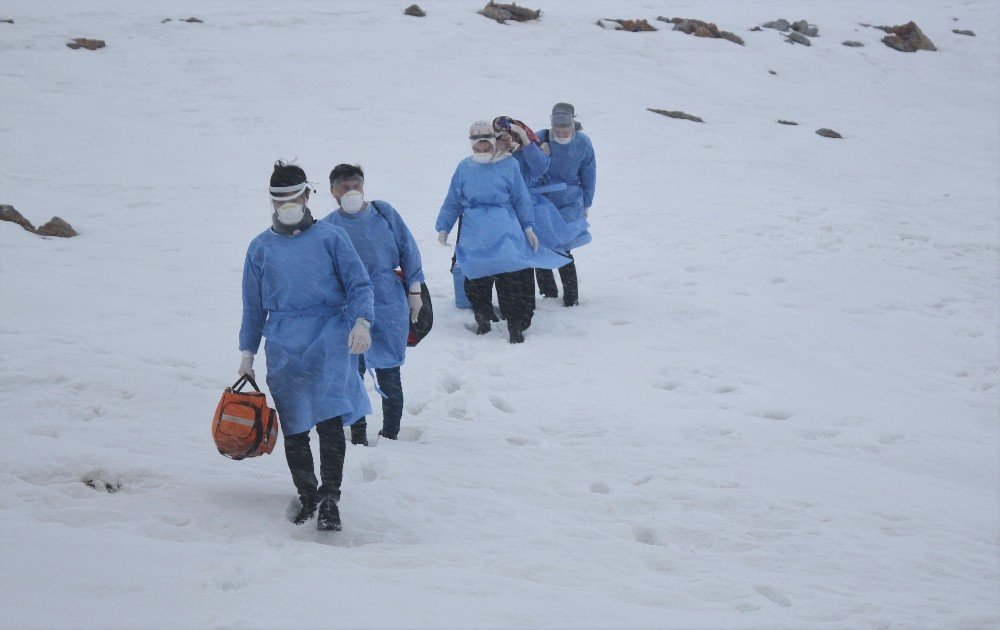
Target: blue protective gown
{"x": 496, "y": 208}
{"x": 572, "y": 164}
{"x": 382, "y": 249}
{"x": 303, "y": 293}
{"x": 550, "y": 227}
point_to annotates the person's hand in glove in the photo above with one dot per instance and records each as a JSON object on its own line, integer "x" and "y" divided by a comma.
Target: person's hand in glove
{"x": 443, "y": 237}
{"x": 532, "y": 239}
{"x": 246, "y": 365}
{"x": 415, "y": 300}
{"x": 586, "y": 213}
{"x": 360, "y": 338}
{"x": 520, "y": 135}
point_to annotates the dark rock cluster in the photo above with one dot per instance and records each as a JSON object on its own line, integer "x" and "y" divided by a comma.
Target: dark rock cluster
{"x": 699, "y": 28}
{"x": 415, "y": 11}
{"x": 906, "y": 38}
{"x": 633, "y": 26}
{"x": 55, "y": 227}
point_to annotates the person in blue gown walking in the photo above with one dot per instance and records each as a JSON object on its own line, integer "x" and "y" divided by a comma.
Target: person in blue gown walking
{"x": 572, "y": 162}
{"x": 306, "y": 291}
{"x": 497, "y": 242}
{"x": 384, "y": 244}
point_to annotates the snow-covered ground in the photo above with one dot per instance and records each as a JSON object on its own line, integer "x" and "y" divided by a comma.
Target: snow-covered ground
{"x": 776, "y": 407}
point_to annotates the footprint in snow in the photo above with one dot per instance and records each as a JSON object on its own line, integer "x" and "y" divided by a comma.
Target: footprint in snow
{"x": 501, "y": 404}
{"x": 774, "y": 414}
{"x": 599, "y": 487}
{"x": 645, "y": 535}
{"x": 773, "y": 594}
{"x": 450, "y": 384}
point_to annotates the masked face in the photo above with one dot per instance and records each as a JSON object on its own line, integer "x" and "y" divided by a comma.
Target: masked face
{"x": 482, "y": 149}
{"x": 352, "y": 201}
{"x": 290, "y": 213}
{"x": 562, "y": 135}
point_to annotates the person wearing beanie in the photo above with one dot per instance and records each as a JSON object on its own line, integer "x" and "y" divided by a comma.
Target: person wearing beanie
{"x": 497, "y": 244}
{"x": 572, "y": 162}
{"x": 306, "y": 291}
{"x": 384, "y": 243}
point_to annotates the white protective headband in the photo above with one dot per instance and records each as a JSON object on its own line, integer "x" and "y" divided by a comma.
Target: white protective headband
{"x": 291, "y": 192}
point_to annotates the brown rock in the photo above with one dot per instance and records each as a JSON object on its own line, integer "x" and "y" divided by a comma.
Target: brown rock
{"x": 503, "y": 12}
{"x": 698, "y": 28}
{"x": 906, "y": 38}
{"x": 786, "y": 122}
{"x": 852, "y": 44}
{"x": 8, "y": 213}
{"x": 675, "y": 114}
{"x": 56, "y": 227}
{"x": 756, "y": 28}
{"x": 193, "y": 20}
{"x": 415, "y": 11}
{"x": 828, "y": 133}
{"x": 165, "y": 20}
{"x": 633, "y": 26}
{"x": 89, "y": 44}
{"x": 958, "y": 31}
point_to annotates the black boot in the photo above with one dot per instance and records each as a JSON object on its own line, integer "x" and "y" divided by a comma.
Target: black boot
{"x": 567, "y": 273}
{"x": 389, "y": 437}
{"x": 359, "y": 432}
{"x": 329, "y": 516}
{"x": 300, "y": 464}
{"x": 516, "y": 336}
{"x": 306, "y": 512}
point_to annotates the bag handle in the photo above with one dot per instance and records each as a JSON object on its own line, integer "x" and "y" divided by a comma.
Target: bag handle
{"x": 243, "y": 380}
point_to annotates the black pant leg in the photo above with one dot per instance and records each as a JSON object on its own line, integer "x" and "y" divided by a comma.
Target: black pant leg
{"x": 546, "y": 283}
{"x": 300, "y": 464}
{"x": 516, "y": 291}
{"x": 391, "y": 384}
{"x": 332, "y": 447}
{"x": 567, "y": 273}
{"x": 480, "y": 293}
{"x": 359, "y": 430}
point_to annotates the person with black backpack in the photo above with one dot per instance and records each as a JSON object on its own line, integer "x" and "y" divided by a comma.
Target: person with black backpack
{"x": 572, "y": 163}
{"x": 384, "y": 244}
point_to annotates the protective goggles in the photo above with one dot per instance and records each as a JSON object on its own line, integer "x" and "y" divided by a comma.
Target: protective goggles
{"x": 348, "y": 179}
{"x": 284, "y": 193}
{"x": 561, "y": 119}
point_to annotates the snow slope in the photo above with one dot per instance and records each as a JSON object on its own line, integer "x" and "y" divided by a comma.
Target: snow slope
{"x": 776, "y": 407}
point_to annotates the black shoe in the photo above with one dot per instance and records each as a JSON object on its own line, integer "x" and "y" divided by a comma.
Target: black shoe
{"x": 394, "y": 436}
{"x": 516, "y": 336}
{"x": 329, "y": 516}
{"x": 484, "y": 328}
{"x": 573, "y": 302}
{"x": 550, "y": 294}
{"x": 306, "y": 512}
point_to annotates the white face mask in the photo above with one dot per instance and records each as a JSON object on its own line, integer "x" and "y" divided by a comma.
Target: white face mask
{"x": 482, "y": 158}
{"x": 562, "y": 140}
{"x": 290, "y": 213}
{"x": 352, "y": 201}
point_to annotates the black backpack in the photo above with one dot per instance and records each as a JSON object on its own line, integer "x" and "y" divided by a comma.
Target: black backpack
{"x": 425, "y": 318}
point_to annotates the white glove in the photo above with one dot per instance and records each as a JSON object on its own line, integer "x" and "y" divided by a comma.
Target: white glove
{"x": 546, "y": 149}
{"x": 443, "y": 237}
{"x": 246, "y": 365}
{"x": 532, "y": 239}
{"x": 360, "y": 338}
{"x": 416, "y": 303}
{"x": 586, "y": 213}
{"x": 521, "y": 134}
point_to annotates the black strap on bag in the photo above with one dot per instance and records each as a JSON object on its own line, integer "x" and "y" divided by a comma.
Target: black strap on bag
{"x": 243, "y": 380}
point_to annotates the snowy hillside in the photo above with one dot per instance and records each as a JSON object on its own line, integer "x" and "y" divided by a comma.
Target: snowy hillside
{"x": 776, "y": 406}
